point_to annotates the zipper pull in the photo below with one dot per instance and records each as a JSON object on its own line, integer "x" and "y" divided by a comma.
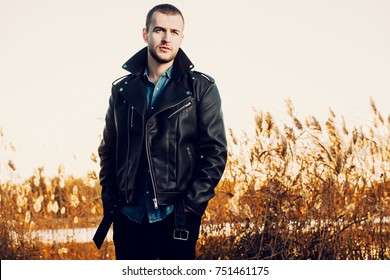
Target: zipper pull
{"x": 155, "y": 203}
{"x": 132, "y": 117}
{"x": 180, "y": 109}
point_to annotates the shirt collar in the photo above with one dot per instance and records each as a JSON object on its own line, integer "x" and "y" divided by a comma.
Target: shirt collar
{"x": 168, "y": 73}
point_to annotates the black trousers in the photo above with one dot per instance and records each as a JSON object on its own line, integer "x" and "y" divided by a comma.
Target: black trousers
{"x": 151, "y": 241}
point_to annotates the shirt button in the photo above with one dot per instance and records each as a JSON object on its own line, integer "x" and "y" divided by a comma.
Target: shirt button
{"x": 147, "y": 192}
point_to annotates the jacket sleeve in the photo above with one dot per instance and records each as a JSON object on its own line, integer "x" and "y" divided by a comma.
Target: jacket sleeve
{"x": 213, "y": 150}
{"x": 107, "y": 151}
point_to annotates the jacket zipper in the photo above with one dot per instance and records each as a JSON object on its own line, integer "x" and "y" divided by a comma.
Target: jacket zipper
{"x": 185, "y": 106}
{"x": 155, "y": 202}
{"x": 154, "y": 185}
{"x": 128, "y": 147}
{"x": 132, "y": 117}
{"x": 189, "y": 153}
{"x": 190, "y": 156}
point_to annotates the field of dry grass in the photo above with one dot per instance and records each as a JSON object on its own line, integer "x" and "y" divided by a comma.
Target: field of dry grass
{"x": 301, "y": 190}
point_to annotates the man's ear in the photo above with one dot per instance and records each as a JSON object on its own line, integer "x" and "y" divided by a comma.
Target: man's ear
{"x": 145, "y": 34}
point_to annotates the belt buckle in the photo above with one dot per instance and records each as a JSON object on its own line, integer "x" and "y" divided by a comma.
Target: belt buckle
{"x": 180, "y": 234}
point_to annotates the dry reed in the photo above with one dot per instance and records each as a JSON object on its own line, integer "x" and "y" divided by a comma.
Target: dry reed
{"x": 303, "y": 191}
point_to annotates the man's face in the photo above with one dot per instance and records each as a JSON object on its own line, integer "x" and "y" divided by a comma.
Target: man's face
{"x": 164, "y": 37}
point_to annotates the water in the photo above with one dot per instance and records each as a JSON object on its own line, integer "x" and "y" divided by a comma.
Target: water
{"x": 83, "y": 235}
{"x": 79, "y": 235}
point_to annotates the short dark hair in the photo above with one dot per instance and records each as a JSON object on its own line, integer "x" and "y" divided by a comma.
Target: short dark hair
{"x": 166, "y": 9}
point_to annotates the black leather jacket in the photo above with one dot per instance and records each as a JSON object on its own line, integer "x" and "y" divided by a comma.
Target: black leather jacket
{"x": 184, "y": 138}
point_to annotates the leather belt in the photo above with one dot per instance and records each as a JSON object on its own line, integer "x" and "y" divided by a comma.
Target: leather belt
{"x": 105, "y": 224}
{"x": 179, "y": 233}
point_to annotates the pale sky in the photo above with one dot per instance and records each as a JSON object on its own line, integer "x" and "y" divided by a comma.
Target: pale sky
{"x": 58, "y": 59}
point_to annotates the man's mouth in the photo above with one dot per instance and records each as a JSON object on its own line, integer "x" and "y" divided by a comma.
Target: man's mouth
{"x": 165, "y": 48}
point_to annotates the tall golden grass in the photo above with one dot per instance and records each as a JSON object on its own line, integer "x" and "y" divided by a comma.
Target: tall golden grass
{"x": 303, "y": 190}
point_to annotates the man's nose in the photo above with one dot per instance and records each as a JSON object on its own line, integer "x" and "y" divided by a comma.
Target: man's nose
{"x": 167, "y": 37}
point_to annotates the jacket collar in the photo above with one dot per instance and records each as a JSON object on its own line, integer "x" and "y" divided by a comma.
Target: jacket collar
{"x": 137, "y": 63}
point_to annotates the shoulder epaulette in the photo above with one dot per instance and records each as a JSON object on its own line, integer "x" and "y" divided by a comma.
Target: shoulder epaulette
{"x": 207, "y": 77}
{"x": 117, "y": 81}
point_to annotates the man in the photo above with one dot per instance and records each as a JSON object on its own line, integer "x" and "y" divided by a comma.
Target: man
{"x": 163, "y": 149}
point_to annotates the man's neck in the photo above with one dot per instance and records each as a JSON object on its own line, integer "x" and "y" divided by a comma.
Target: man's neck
{"x": 155, "y": 69}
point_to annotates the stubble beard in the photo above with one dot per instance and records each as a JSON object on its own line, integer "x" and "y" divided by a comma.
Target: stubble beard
{"x": 159, "y": 59}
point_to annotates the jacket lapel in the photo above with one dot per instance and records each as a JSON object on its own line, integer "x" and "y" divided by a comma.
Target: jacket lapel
{"x": 173, "y": 94}
{"x": 135, "y": 93}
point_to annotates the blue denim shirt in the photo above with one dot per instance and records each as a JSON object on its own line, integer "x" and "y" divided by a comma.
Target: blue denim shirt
{"x": 145, "y": 196}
